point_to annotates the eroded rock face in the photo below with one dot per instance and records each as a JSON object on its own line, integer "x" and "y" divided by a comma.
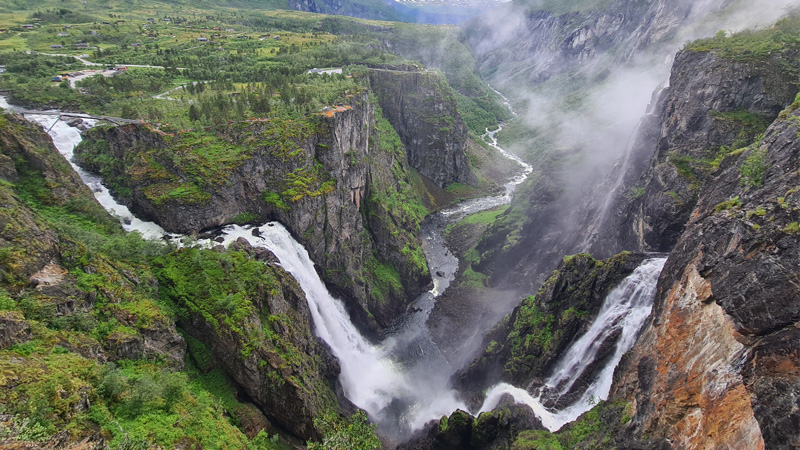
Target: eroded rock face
{"x": 713, "y": 105}
{"x": 490, "y": 430}
{"x": 718, "y": 364}
{"x": 421, "y": 109}
{"x": 14, "y": 329}
{"x": 518, "y": 42}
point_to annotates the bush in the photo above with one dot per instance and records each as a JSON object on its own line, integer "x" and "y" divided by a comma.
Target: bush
{"x": 353, "y": 434}
{"x": 754, "y": 168}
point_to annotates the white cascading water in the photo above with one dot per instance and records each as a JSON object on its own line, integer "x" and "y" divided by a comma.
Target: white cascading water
{"x": 65, "y": 139}
{"x": 624, "y": 310}
{"x": 370, "y": 377}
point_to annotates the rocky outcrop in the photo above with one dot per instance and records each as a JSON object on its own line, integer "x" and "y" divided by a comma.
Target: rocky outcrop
{"x": 718, "y": 364}
{"x": 316, "y": 176}
{"x": 264, "y": 342}
{"x": 490, "y": 430}
{"x": 714, "y": 105}
{"x": 422, "y": 109}
{"x": 370, "y": 9}
{"x": 14, "y": 329}
{"x": 523, "y": 348}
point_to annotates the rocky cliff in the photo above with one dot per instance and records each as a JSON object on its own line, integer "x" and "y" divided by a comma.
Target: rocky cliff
{"x": 715, "y": 104}
{"x": 252, "y": 319}
{"x": 422, "y": 109}
{"x": 718, "y": 363}
{"x": 93, "y": 319}
{"x": 370, "y": 9}
{"x": 329, "y": 179}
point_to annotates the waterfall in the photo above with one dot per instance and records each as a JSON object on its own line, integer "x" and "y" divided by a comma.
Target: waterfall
{"x": 65, "y": 138}
{"x": 624, "y": 311}
{"x": 398, "y": 393}
{"x": 371, "y": 377}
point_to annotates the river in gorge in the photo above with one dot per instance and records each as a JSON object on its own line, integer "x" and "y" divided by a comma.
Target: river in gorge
{"x": 403, "y": 381}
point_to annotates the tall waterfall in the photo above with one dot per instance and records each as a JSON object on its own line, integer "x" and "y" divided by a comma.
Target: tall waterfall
{"x": 623, "y": 311}
{"x": 371, "y": 376}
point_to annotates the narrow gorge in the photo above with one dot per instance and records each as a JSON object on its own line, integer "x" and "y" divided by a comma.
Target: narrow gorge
{"x": 390, "y": 253}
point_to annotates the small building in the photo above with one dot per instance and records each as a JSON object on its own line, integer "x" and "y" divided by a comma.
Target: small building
{"x": 56, "y": 78}
{"x": 62, "y": 34}
{"x": 136, "y": 44}
{"x": 151, "y": 20}
{"x": 66, "y": 27}
{"x": 27, "y": 26}
{"x": 56, "y": 46}
{"x": 229, "y": 30}
{"x": 81, "y": 45}
{"x": 276, "y": 38}
{"x": 106, "y": 23}
{"x": 202, "y": 39}
{"x": 94, "y": 32}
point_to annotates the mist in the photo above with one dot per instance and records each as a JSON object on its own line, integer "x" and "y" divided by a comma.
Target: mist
{"x": 581, "y": 94}
{"x": 582, "y": 85}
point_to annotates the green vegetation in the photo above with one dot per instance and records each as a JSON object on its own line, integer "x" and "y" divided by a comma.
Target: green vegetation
{"x": 386, "y": 280}
{"x": 635, "y": 192}
{"x": 733, "y": 203}
{"x": 792, "y": 228}
{"x": 594, "y": 429}
{"x": 754, "y": 168}
{"x": 355, "y": 433}
{"x": 754, "y": 45}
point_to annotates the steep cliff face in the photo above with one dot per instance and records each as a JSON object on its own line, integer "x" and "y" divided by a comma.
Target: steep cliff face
{"x": 523, "y": 348}
{"x": 318, "y": 177}
{"x": 718, "y": 364}
{"x": 422, "y": 110}
{"x": 262, "y": 338}
{"x": 713, "y": 106}
{"x": 369, "y": 9}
